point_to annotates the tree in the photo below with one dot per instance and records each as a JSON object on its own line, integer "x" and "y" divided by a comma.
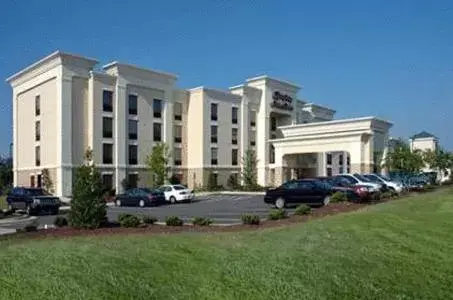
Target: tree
{"x": 174, "y": 179}
{"x": 157, "y": 162}
{"x": 249, "y": 172}
{"x": 88, "y": 208}
{"x": 6, "y": 174}
{"x": 47, "y": 180}
{"x": 402, "y": 159}
{"x": 439, "y": 160}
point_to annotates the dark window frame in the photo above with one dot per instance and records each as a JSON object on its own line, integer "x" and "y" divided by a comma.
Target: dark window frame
{"x": 214, "y": 161}
{"x": 177, "y": 161}
{"x": 107, "y": 107}
{"x": 132, "y": 135}
{"x": 107, "y": 134}
{"x": 132, "y": 160}
{"x": 234, "y": 158}
{"x": 157, "y": 137}
{"x": 132, "y": 111}
{"x": 214, "y": 112}
{"x": 234, "y": 140}
{"x": 178, "y": 116}
{"x": 178, "y": 139}
{"x": 105, "y": 159}
{"x": 157, "y": 114}
{"x": 329, "y": 158}
{"x": 37, "y": 105}
{"x": 105, "y": 184}
{"x": 214, "y": 137}
{"x": 37, "y": 156}
{"x": 234, "y": 111}
{"x": 37, "y": 131}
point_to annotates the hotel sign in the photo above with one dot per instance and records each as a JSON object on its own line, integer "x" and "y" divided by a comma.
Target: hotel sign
{"x": 282, "y": 101}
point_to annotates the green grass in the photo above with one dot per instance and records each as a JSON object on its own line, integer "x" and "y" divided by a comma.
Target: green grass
{"x": 398, "y": 250}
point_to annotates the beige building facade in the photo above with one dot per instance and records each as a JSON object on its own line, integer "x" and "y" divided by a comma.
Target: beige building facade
{"x": 63, "y": 105}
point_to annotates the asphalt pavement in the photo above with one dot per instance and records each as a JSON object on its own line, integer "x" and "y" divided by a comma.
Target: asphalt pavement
{"x": 222, "y": 209}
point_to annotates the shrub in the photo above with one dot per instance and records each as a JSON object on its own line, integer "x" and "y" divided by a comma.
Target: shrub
{"x": 88, "y": 208}
{"x": 338, "y": 197}
{"x": 173, "y": 221}
{"x": 387, "y": 195}
{"x": 232, "y": 182}
{"x": 148, "y": 219}
{"x": 60, "y": 221}
{"x": 28, "y": 228}
{"x": 174, "y": 179}
{"x": 130, "y": 221}
{"x": 123, "y": 216}
{"x": 277, "y": 214}
{"x": 302, "y": 209}
{"x": 201, "y": 221}
{"x": 248, "y": 219}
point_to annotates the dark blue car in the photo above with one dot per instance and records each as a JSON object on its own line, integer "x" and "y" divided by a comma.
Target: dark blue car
{"x": 140, "y": 197}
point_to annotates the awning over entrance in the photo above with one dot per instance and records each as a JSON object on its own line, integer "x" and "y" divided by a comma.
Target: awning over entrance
{"x": 361, "y": 137}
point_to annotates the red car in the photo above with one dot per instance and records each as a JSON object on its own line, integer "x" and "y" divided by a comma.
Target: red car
{"x": 353, "y": 192}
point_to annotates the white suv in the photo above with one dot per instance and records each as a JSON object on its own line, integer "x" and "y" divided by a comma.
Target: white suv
{"x": 396, "y": 186}
{"x": 358, "y": 179}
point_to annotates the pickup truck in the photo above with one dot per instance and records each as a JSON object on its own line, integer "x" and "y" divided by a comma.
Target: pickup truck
{"x": 32, "y": 200}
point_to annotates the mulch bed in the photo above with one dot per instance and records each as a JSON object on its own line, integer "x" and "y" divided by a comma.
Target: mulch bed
{"x": 114, "y": 229}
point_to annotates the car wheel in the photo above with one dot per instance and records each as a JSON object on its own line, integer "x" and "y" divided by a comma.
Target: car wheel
{"x": 280, "y": 203}
{"x": 28, "y": 210}
{"x": 326, "y": 200}
{"x": 118, "y": 203}
{"x": 172, "y": 200}
{"x": 141, "y": 203}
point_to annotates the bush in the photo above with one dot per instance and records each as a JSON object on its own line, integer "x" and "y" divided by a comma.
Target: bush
{"x": 60, "y": 221}
{"x": 130, "y": 221}
{"x": 148, "y": 219}
{"x": 338, "y": 197}
{"x": 173, "y": 221}
{"x": 174, "y": 179}
{"x": 88, "y": 208}
{"x": 123, "y": 216}
{"x": 277, "y": 214}
{"x": 200, "y": 221}
{"x": 302, "y": 209}
{"x": 248, "y": 219}
{"x": 387, "y": 195}
{"x": 28, "y": 228}
{"x": 232, "y": 182}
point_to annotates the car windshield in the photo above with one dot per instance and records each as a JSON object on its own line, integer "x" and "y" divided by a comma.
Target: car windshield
{"x": 372, "y": 178}
{"x": 34, "y": 192}
{"x": 385, "y": 177}
{"x": 323, "y": 184}
{"x": 179, "y": 187}
{"x": 361, "y": 178}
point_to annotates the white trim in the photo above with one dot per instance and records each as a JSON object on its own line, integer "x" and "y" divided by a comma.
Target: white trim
{"x": 107, "y": 173}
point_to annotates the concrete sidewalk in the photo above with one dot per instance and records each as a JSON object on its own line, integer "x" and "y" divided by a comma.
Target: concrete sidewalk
{"x": 10, "y": 225}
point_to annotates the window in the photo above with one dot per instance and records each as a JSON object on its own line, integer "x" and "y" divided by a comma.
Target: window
{"x": 271, "y": 154}
{"x": 348, "y": 170}
{"x": 214, "y": 112}
{"x": 157, "y": 108}
{"x": 39, "y": 180}
{"x": 107, "y": 127}
{"x": 177, "y": 156}
{"x": 133, "y": 105}
{"x": 32, "y": 184}
{"x": 213, "y": 134}
{"x": 37, "y": 131}
{"x": 252, "y": 118}
{"x": 340, "y": 160}
{"x": 348, "y": 160}
{"x": 234, "y": 136}
{"x": 133, "y": 180}
{"x": 37, "y": 156}
{"x": 329, "y": 158}
{"x": 107, "y": 101}
{"x": 107, "y": 153}
{"x": 214, "y": 178}
{"x": 133, "y": 155}
{"x": 133, "y": 128}
{"x": 329, "y": 172}
{"x": 107, "y": 181}
{"x": 178, "y": 133}
{"x": 178, "y": 111}
{"x": 213, "y": 156}
{"x": 290, "y": 185}
{"x": 341, "y": 170}
{"x": 350, "y": 179}
{"x": 234, "y": 157}
{"x": 37, "y": 105}
{"x": 252, "y": 139}
{"x": 305, "y": 185}
{"x": 273, "y": 123}
{"x": 234, "y": 115}
{"x": 157, "y": 132}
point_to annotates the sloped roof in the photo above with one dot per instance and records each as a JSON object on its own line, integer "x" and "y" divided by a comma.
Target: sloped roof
{"x": 423, "y": 135}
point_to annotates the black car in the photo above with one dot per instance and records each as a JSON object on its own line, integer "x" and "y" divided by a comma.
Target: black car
{"x": 308, "y": 191}
{"x": 32, "y": 200}
{"x": 140, "y": 197}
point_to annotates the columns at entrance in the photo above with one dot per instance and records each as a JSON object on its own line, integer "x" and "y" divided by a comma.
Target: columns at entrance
{"x": 321, "y": 160}
{"x": 362, "y": 154}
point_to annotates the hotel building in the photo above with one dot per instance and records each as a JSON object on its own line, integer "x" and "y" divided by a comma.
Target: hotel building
{"x": 62, "y": 105}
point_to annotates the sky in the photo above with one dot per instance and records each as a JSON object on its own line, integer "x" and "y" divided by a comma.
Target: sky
{"x": 390, "y": 58}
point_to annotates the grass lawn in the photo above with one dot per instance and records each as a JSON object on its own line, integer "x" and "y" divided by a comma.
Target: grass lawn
{"x": 398, "y": 250}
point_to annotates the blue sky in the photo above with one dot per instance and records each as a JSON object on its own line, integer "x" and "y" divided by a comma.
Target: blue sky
{"x": 392, "y": 59}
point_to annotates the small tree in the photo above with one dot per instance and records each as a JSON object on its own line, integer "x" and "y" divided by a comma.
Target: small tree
{"x": 174, "y": 179}
{"x": 233, "y": 181}
{"x": 88, "y": 208}
{"x": 249, "y": 172}
{"x": 157, "y": 162}
{"x": 6, "y": 174}
{"x": 47, "y": 181}
{"x": 212, "y": 182}
{"x": 402, "y": 159}
{"x": 439, "y": 160}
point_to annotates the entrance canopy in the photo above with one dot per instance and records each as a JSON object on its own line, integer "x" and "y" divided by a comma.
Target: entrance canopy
{"x": 361, "y": 137}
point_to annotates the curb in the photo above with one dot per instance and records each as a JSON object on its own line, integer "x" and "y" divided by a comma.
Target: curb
{"x": 229, "y": 193}
{"x": 18, "y": 220}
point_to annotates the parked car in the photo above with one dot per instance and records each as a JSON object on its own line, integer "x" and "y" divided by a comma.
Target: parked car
{"x": 354, "y": 192}
{"x": 32, "y": 201}
{"x": 140, "y": 197}
{"x": 308, "y": 191}
{"x": 392, "y": 185}
{"x": 358, "y": 179}
{"x": 177, "y": 193}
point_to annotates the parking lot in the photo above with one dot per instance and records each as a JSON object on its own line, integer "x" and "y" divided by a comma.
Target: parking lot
{"x": 222, "y": 209}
